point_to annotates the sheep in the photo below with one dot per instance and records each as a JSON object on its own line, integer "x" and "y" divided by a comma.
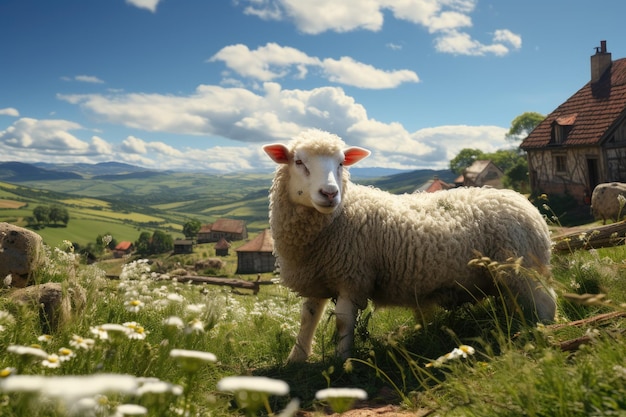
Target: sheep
{"x": 334, "y": 239}
{"x": 605, "y": 201}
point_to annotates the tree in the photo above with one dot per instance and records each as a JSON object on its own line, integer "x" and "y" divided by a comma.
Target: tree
{"x": 464, "y": 159}
{"x": 59, "y": 214}
{"x": 523, "y": 124}
{"x": 142, "y": 244}
{"x": 42, "y": 214}
{"x": 191, "y": 228}
{"x": 161, "y": 242}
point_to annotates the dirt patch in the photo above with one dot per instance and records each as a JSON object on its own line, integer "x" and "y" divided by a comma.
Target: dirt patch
{"x": 11, "y": 204}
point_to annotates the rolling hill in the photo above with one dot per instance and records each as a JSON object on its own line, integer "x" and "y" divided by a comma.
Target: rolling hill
{"x": 117, "y": 198}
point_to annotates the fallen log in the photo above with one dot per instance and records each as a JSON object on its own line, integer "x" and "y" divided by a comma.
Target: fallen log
{"x": 592, "y": 238}
{"x": 255, "y": 286}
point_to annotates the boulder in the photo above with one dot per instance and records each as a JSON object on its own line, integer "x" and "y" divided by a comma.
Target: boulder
{"x": 21, "y": 253}
{"x": 55, "y": 303}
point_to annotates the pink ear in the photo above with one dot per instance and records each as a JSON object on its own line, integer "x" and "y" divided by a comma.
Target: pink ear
{"x": 354, "y": 155}
{"x": 278, "y": 152}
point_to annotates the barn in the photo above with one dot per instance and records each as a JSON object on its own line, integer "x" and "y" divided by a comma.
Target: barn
{"x": 257, "y": 255}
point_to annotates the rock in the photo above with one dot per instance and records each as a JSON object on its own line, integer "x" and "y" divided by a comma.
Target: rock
{"x": 55, "y": 303}
{"x": 21, "y": 253}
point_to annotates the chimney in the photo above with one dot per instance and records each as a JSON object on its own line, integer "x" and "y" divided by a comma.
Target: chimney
{"x": 600, "y": 62}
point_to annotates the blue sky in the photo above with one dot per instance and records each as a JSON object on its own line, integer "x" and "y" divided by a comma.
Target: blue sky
{"x": 202, "y": 84}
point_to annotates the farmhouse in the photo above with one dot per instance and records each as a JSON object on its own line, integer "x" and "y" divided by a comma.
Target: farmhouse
{"x": 257, "y": 255}
{"x": 481, "y": 173}
{"x": 183, "y": 246}
{"x": 434, "y": 184}
{"x": 228, "y": 229}
{"x": 583, "y": 141}
{"x": 124, "y": 247}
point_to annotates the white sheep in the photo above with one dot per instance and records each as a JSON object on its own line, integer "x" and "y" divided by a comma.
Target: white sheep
{"x": 338, "y": 240}
{"x": 606, "y": 202}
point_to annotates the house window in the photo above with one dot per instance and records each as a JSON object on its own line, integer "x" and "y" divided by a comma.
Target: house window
{"x": 560, "y": 163}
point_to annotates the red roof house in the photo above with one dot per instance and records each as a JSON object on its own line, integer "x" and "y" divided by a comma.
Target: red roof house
{"x": 583, "y": 141}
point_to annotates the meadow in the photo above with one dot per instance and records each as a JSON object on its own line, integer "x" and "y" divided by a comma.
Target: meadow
{"x": 146, "y": 344}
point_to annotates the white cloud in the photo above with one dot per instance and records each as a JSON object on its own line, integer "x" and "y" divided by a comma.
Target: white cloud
{"x": 53, "y": 135}
{"x": 150, "y": 5}
{"x": 274, "y": 114}
{"x": 273, "y": 61}
{"x": 88, "y": 79}
{"x": 350, "y": 72}
{"x": 9, "y": 111}
{"x": 265, "y": 63}
{"x": 506, "y": 36}
{"x": 449, "y": 20}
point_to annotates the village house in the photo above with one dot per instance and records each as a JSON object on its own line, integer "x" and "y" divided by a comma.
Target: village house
{"x": 124, "y": 247}
{"x": 183, "y": 246}
{"x": 257, "y": 255}
{"x": 583, "y": 141}
{"x": 481, "y": 173}
{"x": 222, "y": 247}
{"x": 432, "y": 185}
{"x": 229, "y": 229}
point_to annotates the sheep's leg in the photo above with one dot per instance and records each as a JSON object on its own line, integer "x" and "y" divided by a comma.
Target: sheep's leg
{"x": 312, "y": 310}
{"x": 345, "y": 312}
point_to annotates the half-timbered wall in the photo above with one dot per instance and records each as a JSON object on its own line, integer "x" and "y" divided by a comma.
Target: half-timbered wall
{"x": 560, "y": 170}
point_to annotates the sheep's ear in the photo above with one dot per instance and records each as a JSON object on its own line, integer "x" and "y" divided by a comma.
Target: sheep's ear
{"x": 354, "y": 155}
{"x": 278, "y": 152}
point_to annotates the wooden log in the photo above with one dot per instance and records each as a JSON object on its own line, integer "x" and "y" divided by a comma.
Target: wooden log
{"x": 592, "y": 238}
{"x": 255, "y": 286}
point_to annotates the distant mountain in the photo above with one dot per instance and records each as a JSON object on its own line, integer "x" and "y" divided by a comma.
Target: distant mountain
{"x": 101, "y": 168}
{"x": 19, "y": 171}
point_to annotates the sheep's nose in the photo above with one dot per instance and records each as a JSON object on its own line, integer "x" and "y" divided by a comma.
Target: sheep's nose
{"x": 330, "y": 194}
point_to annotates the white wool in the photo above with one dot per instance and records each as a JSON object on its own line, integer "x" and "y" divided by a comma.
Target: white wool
{"x": 409, "y": 250}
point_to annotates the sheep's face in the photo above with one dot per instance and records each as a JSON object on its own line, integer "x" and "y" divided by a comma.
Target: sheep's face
{"x": 316, "y": 173}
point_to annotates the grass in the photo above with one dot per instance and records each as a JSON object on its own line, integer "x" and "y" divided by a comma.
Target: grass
{"x": 508, "y": 369}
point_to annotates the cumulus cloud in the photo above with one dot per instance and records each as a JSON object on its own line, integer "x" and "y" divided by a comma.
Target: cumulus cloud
{"x": 9, "y": 111}
{"x": 150, "y": 5}
{"x": 449, "y": 20}
{"x": 53, "y": 135}
{"x": 247, "y": 119}
{"x": 273, "y": 61}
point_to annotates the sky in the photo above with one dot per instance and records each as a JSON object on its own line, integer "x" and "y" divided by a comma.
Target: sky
{"x": 201, "y": 85}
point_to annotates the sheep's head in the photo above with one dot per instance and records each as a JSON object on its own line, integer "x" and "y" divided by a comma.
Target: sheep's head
{"x": 315, "y": 161}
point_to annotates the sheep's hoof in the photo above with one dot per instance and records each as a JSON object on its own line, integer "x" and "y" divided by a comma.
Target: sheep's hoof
{"x": 297, "y": 355}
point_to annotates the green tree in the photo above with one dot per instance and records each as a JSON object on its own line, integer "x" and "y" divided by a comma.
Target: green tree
{"x": 523, "y": 124}
{"x": 161, "y": 242}
{"x": 464, "y": 159}
{"x": 59, "y": 214}
{"x": 42, "y": 214}
{"x": 191, "y": 228}
{"x": 142, "y": 244}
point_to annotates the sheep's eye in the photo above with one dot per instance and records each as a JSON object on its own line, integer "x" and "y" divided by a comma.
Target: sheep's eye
{"x": 299, "y": 162}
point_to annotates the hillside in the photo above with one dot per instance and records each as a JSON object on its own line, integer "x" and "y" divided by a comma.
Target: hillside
{"x": 130, "y": 201}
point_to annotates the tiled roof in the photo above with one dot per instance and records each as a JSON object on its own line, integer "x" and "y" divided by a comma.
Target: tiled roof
{"x": 124, "y": 245}
{"x": 228, "y": 225}
{"x": 590, "y": 112}
{"x": 433, "y": 185}
{"x": 262, "y": 243}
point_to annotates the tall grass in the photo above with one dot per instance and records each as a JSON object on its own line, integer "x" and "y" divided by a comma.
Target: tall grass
{"x": 140, "y": 340}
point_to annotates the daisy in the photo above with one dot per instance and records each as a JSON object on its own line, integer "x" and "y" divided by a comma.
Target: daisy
{"x": 341, "y": 399}
{"x": 191, "y": 360}
{"x": 65, "y": 354}
{"x": 52, "y": 361}
{"x": 135, "y": 331}
{"x": 134, "y": 305}
{"x": 79, "y": 342}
